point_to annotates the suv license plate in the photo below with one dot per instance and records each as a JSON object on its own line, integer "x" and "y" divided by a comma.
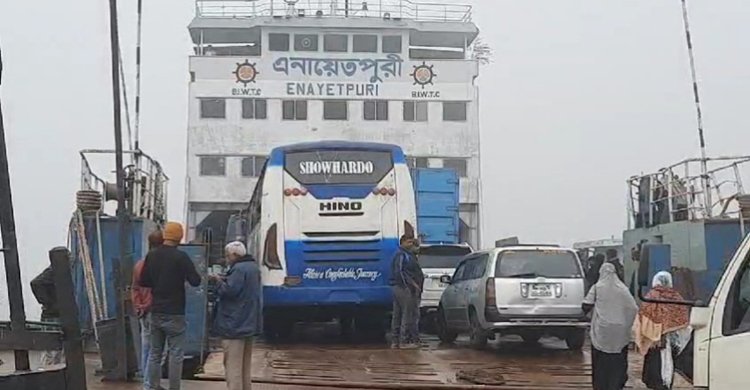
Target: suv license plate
{"x": 540, "y": 291}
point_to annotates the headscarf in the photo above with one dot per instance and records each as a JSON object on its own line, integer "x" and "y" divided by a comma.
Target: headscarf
{"x": 173, "y": 232}
{"x": 614, "y": 311}
{"x": 657, "y": 319}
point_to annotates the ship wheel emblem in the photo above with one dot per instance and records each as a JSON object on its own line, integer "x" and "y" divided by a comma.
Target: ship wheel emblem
{"x": 423, "y": 74}
{"x": 245, "y": 72}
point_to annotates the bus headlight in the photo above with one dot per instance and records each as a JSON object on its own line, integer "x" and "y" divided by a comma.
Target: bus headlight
{"x": 270, "y": 249}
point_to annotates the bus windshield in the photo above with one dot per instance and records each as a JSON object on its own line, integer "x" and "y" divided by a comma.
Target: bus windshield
{"x": 338, "y": 166}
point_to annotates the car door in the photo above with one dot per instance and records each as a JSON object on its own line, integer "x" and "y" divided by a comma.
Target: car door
{"x": 476, "y": 283}
{"x": 465, "y": 293}
{"x": 730, "y": 335}
{"x": 451, "y": 297}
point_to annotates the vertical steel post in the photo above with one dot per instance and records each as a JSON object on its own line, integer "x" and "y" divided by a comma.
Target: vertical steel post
{"x": 10, "y": 247}
{"x": 121, "y": 372}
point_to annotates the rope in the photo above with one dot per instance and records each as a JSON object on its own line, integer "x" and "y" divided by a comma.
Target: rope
{"x": 102, "y": 274}
{"x": 88, "y": 272}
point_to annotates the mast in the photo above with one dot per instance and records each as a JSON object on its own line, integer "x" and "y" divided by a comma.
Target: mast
{"x": 121, "y": 371}
{"x": 699, "y": 114}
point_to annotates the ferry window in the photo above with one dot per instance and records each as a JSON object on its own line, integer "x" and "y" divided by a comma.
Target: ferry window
{"x": 294, "y": 110}
{"x": 278, "y": 42}
{"x": 376, "y": 110}
{"x": 335, "y": 110}
{"x": 454, "y": 111}
{"x": 415, "y": 111}
{"x": 212, "y": 166}
{"x": 305, "y": 42}
{"x": 417, "y": 162}
{"x": 213, "y": 108}
{"x": 336, "y": 43}
{"x": 254, "y": 108}
{"x": 392, "y": 44}
{"x": 252, "y": 166}
{"x": 457, "y": 164}
{"x": 365, "y": 43}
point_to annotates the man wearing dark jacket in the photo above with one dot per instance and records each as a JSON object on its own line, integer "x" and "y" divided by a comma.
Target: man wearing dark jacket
{"x": 238, "y": 314}
{"x": 407, "y": 279}
{"x": 43, "y": 287}
{"x": 165, "y": 271}
{"x": 614, "y": 260}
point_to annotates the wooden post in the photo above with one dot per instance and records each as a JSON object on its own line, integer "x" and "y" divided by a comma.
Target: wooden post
{"x": 10, "y": 248}
{"x": 75, "y": 370}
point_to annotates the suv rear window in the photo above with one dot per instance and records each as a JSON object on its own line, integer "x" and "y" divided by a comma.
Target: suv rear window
{"x": 442, "y": 256}
{"x": 532, "y": 264}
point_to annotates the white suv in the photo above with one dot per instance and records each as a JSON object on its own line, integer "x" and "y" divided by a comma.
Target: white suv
{"x": 531, "y": 291}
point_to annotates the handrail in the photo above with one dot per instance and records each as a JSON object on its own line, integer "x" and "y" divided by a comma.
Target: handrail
{"x": 401, "y": 9}
{"x": 672, "y": 197}
{"x": 147, "y": 189}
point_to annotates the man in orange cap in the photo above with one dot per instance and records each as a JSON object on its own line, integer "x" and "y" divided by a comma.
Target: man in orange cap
{"x": 165, "y": 272}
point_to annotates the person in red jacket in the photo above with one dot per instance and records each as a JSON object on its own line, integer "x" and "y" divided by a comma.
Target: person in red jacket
{"x": 142, "y": 302}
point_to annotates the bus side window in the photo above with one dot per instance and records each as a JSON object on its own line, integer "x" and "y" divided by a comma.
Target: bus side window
{"x": 737, "y": 310}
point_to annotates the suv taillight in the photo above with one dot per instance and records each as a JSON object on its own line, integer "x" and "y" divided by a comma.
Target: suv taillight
{"x": 270, "y": 250}
{"x": 489, "y": 293}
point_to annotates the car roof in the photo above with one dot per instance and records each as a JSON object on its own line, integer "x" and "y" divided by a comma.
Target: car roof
{"x": 461, "y": 245}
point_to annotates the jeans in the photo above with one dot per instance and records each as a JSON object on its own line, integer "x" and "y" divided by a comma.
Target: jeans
{"x": 145, "y": 347}
{"x": 238, "y": 355}
{"x": 404, "y": 325}
{"x": 166, "y": 329}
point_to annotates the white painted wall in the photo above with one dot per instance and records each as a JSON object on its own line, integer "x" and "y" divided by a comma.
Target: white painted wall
{"x": 234, "y": 136}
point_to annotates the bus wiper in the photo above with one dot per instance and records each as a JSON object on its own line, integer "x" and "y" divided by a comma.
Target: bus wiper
{"x": 524, "y": 275}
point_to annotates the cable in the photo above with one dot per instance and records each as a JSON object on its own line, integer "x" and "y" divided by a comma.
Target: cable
{"x": 127, "y": 105}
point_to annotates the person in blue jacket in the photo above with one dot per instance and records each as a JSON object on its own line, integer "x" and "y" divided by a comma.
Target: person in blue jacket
{"x": 238, "y": 317}
{"x": 406, "y": 282}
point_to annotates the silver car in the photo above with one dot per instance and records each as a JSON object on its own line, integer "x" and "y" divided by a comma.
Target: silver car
{"x": 437, "y": 260}
{"x": 531, "y": 291}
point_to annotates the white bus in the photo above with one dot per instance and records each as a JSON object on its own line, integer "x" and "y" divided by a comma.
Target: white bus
{"x": 324, "y": 222}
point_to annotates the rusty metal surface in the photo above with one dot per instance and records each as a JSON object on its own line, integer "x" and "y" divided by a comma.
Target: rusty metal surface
{"x": 548, "y": 365}
{"x": 335, "y": 364}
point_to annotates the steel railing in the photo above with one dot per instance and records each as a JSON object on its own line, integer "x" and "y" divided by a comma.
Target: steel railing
{"x": 146, "y": 184}
{"x": 682, "y": 191}
{"x": 384, "y": 9}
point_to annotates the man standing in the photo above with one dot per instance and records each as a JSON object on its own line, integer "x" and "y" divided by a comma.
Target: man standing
{"x": 407, "y": 279}
{"x": 43, "y": 287}
{"x": 165, "y": 271}
{"x": 613, "y": 259}
{"x": 142, "y": 304}
{"x": 238, "y": 314}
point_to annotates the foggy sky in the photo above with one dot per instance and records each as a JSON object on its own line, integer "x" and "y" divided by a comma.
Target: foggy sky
{"x": 580, "y": 96}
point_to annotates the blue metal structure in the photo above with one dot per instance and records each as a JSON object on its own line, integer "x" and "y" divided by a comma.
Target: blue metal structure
{"x": 437, "y": 197}
{"x": 196, "y": 304}
{"x": 196, "y": 297}
{"x": 110, "y": 248}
